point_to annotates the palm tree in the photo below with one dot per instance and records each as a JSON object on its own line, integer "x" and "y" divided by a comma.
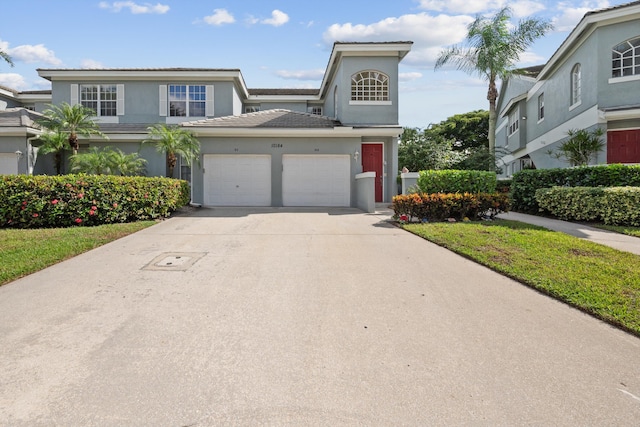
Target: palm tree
{"x": 6, "y": 57}
{"x": 54, "y": 142}
{"x": 126, "y": 164}
{"x": 94, "y": 162}
{"x": 72, "y": 121}
{"x": 492, "y": 50}
{"x": 173, "y": 141}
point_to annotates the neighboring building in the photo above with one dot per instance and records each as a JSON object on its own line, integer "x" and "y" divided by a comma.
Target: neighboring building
{"x": 259, "y": 147}
{"x": 592, "y": 80}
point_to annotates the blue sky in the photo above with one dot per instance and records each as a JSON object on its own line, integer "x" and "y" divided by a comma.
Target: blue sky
{"x": 275, "y": 43}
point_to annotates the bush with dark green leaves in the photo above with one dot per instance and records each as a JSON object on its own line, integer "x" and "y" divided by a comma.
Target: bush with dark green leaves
{"x": 526, "y": 182}
{"x": 611, "y": 205}
{"x": 71, "y": 200}
{"x": 457, "y": 181}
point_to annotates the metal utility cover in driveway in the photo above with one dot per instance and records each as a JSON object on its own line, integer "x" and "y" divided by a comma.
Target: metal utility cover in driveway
{"x": 176, "y": 261}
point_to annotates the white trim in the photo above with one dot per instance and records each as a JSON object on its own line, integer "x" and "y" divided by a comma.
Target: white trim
{"x": 574, "y": 106}
{"x": 513, "y": 101}
{"x": 74, "y": 95}
{"x": 107, "y": 119}
{"x": 209, "y": 104}
{"x": 370, "y": 103}
{"x": 624, "y": 79}
{"x": 366, "y": 175}
{"x": 120, "y": 100}
{"x": 343, "y": 131}
{"x": 163, "y": 102}
{"x": 621, "y": 115}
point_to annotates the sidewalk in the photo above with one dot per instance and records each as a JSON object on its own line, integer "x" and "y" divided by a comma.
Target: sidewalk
{"x": 615, "y": 240}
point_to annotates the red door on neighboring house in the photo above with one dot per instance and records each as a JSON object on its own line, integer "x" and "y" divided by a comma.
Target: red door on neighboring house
{"x": 623, "y": 146}
{"x": 372, "y": 162}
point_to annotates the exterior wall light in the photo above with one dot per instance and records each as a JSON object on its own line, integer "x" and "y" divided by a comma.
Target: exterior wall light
{"x": 356, "y": 155}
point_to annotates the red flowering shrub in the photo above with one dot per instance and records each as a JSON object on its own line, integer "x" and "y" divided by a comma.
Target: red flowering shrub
{"x": 62, "y": 201}
{"x": 440, "y": 206}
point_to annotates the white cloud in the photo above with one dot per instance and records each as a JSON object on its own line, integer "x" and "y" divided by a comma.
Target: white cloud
{"x": 429, "y": 34}
{"x": 13, "y": 81}
{"x": 135, "y": 8}
{"x": 277, "y": 19}
{"x": 462, "y": 6}
{"x": 91, "y": 64}
{"x": 525, "y": 8}
{"x": 520, "y": 8}
{"x": 530, "y": 58}
{"x": 301, "y": 75}
{"x": 407, "y": 77}
{"x": 31, "y": 53}
{"x": 220, "y": 17}
{"x": 570, "y": 15}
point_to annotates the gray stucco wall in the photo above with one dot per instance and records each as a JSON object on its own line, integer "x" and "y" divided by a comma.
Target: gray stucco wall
{"x": 142, "y": 99}
{"x": 618, "y": 93}
{"x": 366, "y": 114}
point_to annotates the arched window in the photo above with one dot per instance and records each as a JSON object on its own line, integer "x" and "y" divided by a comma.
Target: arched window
{"x": 369, "y": 86}
{"x": 625, "y": 59}
{"x": 576, "y": 84}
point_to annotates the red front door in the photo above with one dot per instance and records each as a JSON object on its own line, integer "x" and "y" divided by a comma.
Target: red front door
{"x": 372, "y": 162}
{"x": 623, "y": 146}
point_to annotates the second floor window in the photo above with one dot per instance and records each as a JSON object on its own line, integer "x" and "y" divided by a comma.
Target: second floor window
{"x": 625, "y": 59}
{"x": 187, "y": 101}
{"x": 100, "y": 98}
{"x": 370, "y": 86}
{"x": 576, "y": 84}
{"x": 541, "y": 106}
{"x": 514, "y": 121}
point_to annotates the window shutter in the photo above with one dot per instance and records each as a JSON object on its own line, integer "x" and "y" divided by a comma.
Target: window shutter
{"x": 74, "y": 95}
{"x": 209, "y": 102}
{"x": 163, "y": 101}
{"x": 120, "y": 100}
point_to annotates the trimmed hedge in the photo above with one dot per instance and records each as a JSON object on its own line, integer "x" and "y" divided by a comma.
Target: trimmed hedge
{"x": 67, "y": 200}
{"x": 457, "y": 181}
{"x": 441, "y": 206}
{"x": 525, "y": 183}
{"x": 613, "y": 205}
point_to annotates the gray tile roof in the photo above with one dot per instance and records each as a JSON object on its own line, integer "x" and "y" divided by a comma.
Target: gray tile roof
{"x": 19, "y": 117}
{"x": 277, "y": 118}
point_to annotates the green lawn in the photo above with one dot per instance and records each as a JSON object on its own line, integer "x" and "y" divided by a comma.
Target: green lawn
{"x": 23, "y": 252}
{"x": 595, "y": 278}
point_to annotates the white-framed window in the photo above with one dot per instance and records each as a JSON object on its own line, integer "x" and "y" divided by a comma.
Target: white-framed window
{"x": 514, "y": 121}
{"x": 251, "y": 109}
{"x": 625, "y": 59}
{"x": 102, "y": 99}
{"x": 370, "y": 86}
{"x": 315, "y": 110}
{"x": 541, "y": 106}
{"x": 187, "y": 100}
{"x": 576, "y": 84}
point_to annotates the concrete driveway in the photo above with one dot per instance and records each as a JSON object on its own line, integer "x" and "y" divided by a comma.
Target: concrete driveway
{"x": 314, "y": 317}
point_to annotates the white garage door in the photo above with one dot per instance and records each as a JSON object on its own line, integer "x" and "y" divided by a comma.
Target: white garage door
{"x": 237, "y": 180}
{"x": 8, "y": 164}
{"x": 316, "y": 180}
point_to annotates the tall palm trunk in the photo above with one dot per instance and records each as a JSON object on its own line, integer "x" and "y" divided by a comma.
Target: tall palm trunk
{"x": 492, "y": 96}
{"x": 57, "y": 158}
{"x": 73, "y": 142}
{"x": 172, "y": 160}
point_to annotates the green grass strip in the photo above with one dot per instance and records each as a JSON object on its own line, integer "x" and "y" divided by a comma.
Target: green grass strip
{"x": 595, "y": 278}
{"x": 23, "y": 252}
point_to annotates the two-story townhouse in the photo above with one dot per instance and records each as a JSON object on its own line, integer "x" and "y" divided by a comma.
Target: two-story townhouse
{"x": 591, "y": 81}
{"x": 259, "y": 147}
